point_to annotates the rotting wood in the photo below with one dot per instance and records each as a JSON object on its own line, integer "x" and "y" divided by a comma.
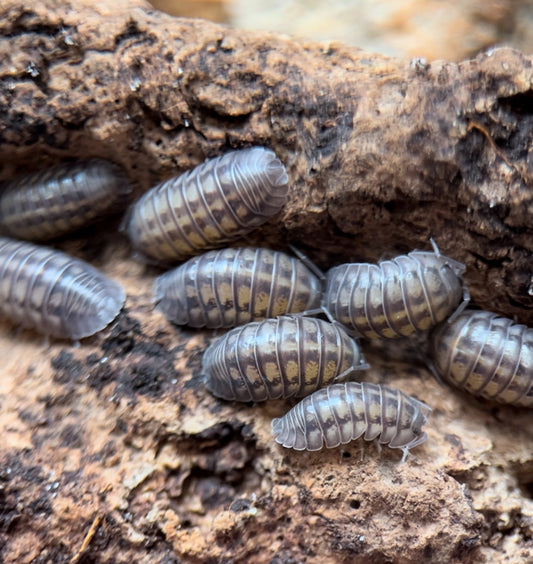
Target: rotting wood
{"x": 381, "y": 154}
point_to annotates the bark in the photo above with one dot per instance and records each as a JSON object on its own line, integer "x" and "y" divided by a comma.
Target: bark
{"x": 117, "y": 442}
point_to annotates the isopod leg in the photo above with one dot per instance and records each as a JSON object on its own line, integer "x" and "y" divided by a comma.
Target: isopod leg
{"x": 436, "y": 249}
{"x": 328, "y": 314}
{"x": 308, "y": 262}
{"x": 461, "y": 307}
{"x": 306, "y": 313}
{"x": 342, "y": 376}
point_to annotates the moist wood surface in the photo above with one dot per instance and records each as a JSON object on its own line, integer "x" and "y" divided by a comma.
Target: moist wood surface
{"x": 115, "y": 451}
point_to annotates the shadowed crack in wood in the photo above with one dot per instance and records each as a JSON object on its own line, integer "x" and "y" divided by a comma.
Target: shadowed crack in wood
{"x": 381, "y": 155}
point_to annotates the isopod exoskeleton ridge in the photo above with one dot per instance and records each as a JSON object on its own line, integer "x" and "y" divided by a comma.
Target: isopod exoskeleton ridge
{"x": 218, "y": 201}
{"x": 54, "y": 293}
{"x": 486, "y": 355}
{"x": 279, "y": 358}
{"x": 233, "y": 286}
{"x": 342, "y": 413}
{"x": 62, "y": 199}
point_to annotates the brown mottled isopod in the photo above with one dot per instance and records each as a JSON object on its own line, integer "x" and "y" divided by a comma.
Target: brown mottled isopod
{"x": 216, "y": 202}
{"x": 341, "y": 413}
{"x": 54, "y": 293}
{"x": 397, "y": 297}
{"x": 50, "y": 203}
{"x": 233, "y": 286}
{"x": 487, "y": 355}
{"x": 279, "y": 358}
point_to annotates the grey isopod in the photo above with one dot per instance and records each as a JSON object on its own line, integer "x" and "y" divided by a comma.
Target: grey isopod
{"x": 341, "y": 413}
{"x": 61, "y": 199}
{"x": 486, "y": 355}
{"x": 233, "y": 286}
{"x": 279, "y": 358}
{"x": 398, "y": 297}
{"x": 216, "y": 202}
{"x": 54, "y": 293}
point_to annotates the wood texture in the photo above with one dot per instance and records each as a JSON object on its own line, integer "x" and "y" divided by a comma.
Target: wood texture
{"x": 381, "y": 153}
{"x": 115, "y": 452}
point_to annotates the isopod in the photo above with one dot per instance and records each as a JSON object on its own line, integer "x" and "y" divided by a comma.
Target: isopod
{"x": 62, "y": 199}
{"x": 341, "y": 413}
{"x": 233, "y": 286}
{"x": 54, "y": 293}
{"x": 216, "y": 202}
{"x": 487, "y": 355}
{"x": 279, "y": 358}
{"x": 398, "y": 297}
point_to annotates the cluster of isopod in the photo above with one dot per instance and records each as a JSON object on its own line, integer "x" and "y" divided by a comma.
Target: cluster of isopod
{"x": 270, "y": 353}
{"x": 274, "y": 349}
{"x": 43, "y": 288}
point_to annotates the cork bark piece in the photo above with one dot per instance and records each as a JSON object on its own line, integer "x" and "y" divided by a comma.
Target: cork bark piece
{"x": 115, "y": 451}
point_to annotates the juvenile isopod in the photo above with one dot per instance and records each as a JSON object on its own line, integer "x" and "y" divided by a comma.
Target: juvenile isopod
{"x": 233, "y": 286}
{"x": 54, "y": 293}
{"x": 216, "y": 202}
{"x": 341, "y": 413}
{"x": 398, "y": 297}
{"x": 487, "y": 355}
{"x": 279, "y": 358}
{"x": 62, "y": 199}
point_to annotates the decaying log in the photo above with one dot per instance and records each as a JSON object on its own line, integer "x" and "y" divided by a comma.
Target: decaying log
{"x": 114, "y": 451}
{"x": 382, "y": 154}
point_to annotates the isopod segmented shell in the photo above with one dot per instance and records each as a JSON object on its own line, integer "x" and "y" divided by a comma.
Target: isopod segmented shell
{"x": 233, "y": 286}
{"x": 50, "y": 203}
{"x": 395, "y": 298}
{"x": 342, "y": 413}
{"x": 216, "y": 202}
{"x": 279, "y": 358}
{"x": 487, "y": 355}
{"x": 54, "y": 293}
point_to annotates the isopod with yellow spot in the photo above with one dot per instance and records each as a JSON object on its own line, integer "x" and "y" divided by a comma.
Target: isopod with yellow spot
{"x": 344, "y": 412}
{"x": 54, "y": 293}
{"x": 233, "y": 286}
{"x": 486, "y": 355}
{"x": 396, "y": 298}
{"x": 220, "y": 200}
{"x": 279, "y": 358}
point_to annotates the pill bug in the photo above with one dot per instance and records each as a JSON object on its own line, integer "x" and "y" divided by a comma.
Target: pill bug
{"x": 62, "y": 199}
{"x": 54, "y": 293}
{"x": 279, "y": 358}
{"x": 487, "y": 355}
{"x": 341, "y": 413}
{"x": 216, "y": 202}
{"x": 233, "y": 286}
{"x": 398, "y": 297}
